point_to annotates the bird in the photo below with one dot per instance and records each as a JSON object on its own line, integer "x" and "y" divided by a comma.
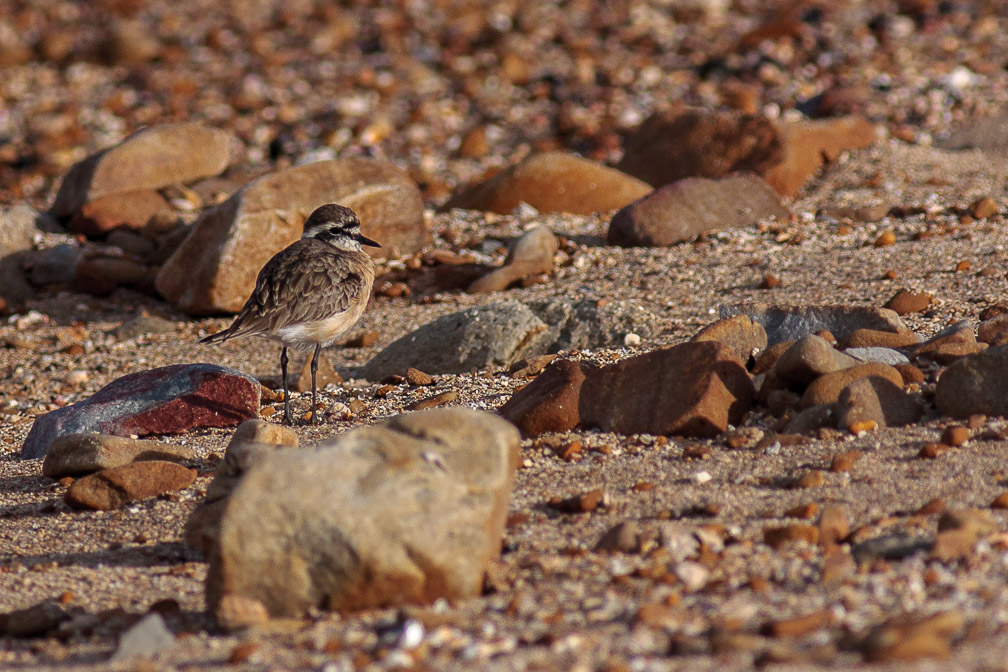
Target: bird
{"x": 310, "y": 292}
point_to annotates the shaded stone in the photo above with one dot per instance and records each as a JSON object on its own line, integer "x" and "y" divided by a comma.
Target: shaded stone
{"x": 407, "y": 511}
{"x": 75, "y": 454}
{"x": 950, "y": 344}
{"x": 783, "y": 323}
{"x": 111, "y": 488}
{"x": 976, "y": 384}
{"x": 683, "y": 209}
{"x": 673, "y": 145}
{"x": 624, "y": 537}
{"x": 994, "y": 331}
{"x": 531, "y": 254}
{"x": 152, "y": 158}
{"x": 634, "y": 396}
{"x": 18, "y": 229}
{"x": 215, "y": 268}
{"x": 168, "y": 400}
{"x": 808, "y": 420}
{"x": 890, "y": 546}
{"x": 810, "y": 357}
{"x": 552, "y": 182}
{"x": 876, "y": 400}
{"x": 550, "y": 402}
{"x": 54, "y": 265}
{"x": 33, "y": 621}
{"x": 989, "y": 134}
{"x": 738, "y": 333}
{"x": 130, "y": 209}
{"x": 910, "y": 638}
{"x": 826, "y": 389}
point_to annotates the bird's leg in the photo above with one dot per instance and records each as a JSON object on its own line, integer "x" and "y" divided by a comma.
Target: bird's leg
{"x": 314, "y": 370}
{"x": 283, "y": 377}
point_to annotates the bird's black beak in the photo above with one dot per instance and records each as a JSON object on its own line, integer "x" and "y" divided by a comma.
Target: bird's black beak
{"x": 364, "y": 240}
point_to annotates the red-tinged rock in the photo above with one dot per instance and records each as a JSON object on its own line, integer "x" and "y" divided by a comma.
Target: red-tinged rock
{"x": 807, "y": 145}
{"x": 686, "y": 208}
{"x": 168, "y": 400}
{"x": 553, "y": 182}
{"x": 584, "y": 502}
{"x": 111, "y": 488}
{"x": 550, "y": 402}
{"x": 868, "y": 338}
{"x": 826, "y": 389}
{"x": 908, "y": 638}
{"x": 799, "y": 626}
{"x": 131, "y": 210}
{"x": 834, "y": 525}
{"x": 153, "y": 158}
{"x": 877, "y": 400}
{"x": 776, "y": 537}
{"x": 994, "y": 331}
{"x": 949, "y": 345}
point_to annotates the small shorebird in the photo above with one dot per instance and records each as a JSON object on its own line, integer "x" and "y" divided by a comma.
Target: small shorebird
{"x": 310, "y": 292}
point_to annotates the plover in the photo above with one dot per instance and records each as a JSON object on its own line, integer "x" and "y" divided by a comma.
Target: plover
{"x": 310, "y": 292}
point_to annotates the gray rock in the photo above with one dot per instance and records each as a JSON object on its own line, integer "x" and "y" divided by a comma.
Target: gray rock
{"x": 76, "y": 454}
{"x": 497, "y": 334}
{"x": 17, "y": 238}
{"x": 878, "y": 354}
{"x": 590, "y": 323}
{"x": 143, "y": 325}
{"x": 54, "y": 265}
{"x": 892, "y": 546}
{"x": 147, "y": 638}
{"x": 789, "y": 323}
{"x": 407, "y": 511}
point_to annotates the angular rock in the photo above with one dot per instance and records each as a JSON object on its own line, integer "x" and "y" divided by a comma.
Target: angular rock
{"x": 76, "y": 454}
{"x": 168, "y": 400}
{"x": 407, "y": 511}
{"x": 215, "y": 268}
{"x": 826, "y": 389}
{"x": 553, "y": 182}
{"x": 810, "y": 357}
{"x": 686, "y": 208}
{"x": 976, "y": 384}
{"x": 950, "y": 344}
{"x": 670, "y": 146}
{"x": 496, "y": 334}
{"x": 531, "y": 254}
{"x": 877, "y": 400}
{"x": 18, "y": 229}
{"x": 786, "y": 323}
{"x": 807, "y": 145}
{"x": 738, "y": 333}
{"x": 153, "y": 158}
{"x": 635, "y": 395}
{"x": 111, "y": 488}
{"x": 878, "y": 354}
{"x": 550, "y": 402}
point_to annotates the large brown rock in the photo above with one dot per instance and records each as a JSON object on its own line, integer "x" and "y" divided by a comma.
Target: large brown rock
{"x": 553, "y": 182}
{"x": 826, "y": 388}
{"x": 128, "y": 209}
{"x": 75, "y": 454}
{"x": 809, "y": 144}
{"x": 407, "y": 511}
{"x": 686, "y": 208}
{"x": 153, "y": 158}
{"x": 215, "y": 268}
{"x": 742, "y": 335}
{"x": 692, "y": 389}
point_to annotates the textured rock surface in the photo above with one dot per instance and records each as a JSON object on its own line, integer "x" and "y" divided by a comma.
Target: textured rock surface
{"x": 128, "y": 209}
{"x": 407, "y": 511}
{"x": 168, "y": 400}
{"x": 111, "y": 488}
{"x": 215, "y": 267}
{"x": 686, "y": 208}
{"x": 975, "y": 384}
{"x": 786, "y": 323}
{"x": 807, "y": 145}
{"x": 553, "y": 182}
{"x": 75, "y": 454}
{"x": 149, "y": 159}
{"x": 739, "y": 333}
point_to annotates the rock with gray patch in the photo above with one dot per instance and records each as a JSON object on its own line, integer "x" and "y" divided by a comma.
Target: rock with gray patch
{"x": 790, "y": 323}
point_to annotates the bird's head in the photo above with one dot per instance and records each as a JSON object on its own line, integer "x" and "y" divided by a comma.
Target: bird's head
{"x": 337, "y": 225}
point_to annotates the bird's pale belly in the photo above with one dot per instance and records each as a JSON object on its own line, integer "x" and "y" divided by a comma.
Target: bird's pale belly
{"x": 306, "y": 334}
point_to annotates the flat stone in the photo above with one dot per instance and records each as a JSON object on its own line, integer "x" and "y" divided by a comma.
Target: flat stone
{"x": 76, "y": 454}
{"x": 168, "y": 400}
{"x": 145, "y": 639}
{"x": 407, "y": 511}
{"x": 550, "y": 402}
{"x": 152, "y": 158}
{"x": 590, "y": 323}
{"x": 878, "y": 354}
{"x": 738, "y": 333}
{"x": 686, "y": 208}
{"x": 531, "y": 254}
{"x": 552, "y": 182}
{"x": 130, "y": 210}
{"x": 874, "y": 338}
{"x": 111, "y": 488}
{"x": 214, "y": 269}
{"x": 950, "y": 344}
{"x": 905, "y": 302}
{"x": 787, "y": 323}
